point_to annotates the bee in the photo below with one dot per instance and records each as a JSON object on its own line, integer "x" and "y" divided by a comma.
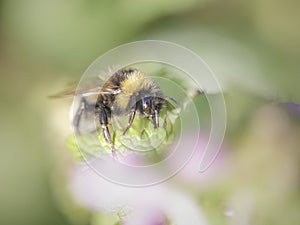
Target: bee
{"x": 125, "y": 93}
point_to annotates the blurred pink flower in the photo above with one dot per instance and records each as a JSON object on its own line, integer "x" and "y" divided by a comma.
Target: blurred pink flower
{"x": 190, "y": 173}
{"x": 292, "y": 108}
{"x": 148, "y": 205}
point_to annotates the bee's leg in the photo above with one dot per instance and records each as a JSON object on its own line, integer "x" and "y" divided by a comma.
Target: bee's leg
{"x": 82, "y": 107}
{"x": 131, "y": 118}
{"x": 155, "y": 119}
{"x": 104, "y": 124}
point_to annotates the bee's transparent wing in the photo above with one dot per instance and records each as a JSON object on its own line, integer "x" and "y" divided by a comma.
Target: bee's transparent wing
{"x": 92, "y": 86}
{"x": 69, "y": 93}
{"x": 83, "y": 107}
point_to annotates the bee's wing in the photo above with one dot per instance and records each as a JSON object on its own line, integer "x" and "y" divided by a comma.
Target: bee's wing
{"x": 89, "y": 88}
{"x": 69, "y": 93}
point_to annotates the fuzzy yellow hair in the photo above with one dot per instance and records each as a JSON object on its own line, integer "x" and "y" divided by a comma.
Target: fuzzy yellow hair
{"x": 132, "y": 85}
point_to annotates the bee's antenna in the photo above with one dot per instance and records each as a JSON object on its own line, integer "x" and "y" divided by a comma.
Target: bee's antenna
{"x": 173, "y": 100}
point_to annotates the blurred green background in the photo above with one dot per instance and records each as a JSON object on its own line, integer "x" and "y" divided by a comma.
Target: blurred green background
{"x": 252, "y": 46}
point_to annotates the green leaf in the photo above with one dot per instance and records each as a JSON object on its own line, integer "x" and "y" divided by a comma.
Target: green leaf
{"x": 141, "y": 137}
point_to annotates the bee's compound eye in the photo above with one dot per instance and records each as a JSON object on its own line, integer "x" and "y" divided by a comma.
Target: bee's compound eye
{"x": 146, "y": 102}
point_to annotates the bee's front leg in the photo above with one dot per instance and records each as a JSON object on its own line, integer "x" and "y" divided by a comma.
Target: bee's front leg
{"x": 131, "y": 118}
{"x": 104, "y": 124}
{"x": 155, "y": 119}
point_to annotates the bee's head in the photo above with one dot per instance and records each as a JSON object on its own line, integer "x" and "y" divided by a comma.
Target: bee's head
{"x": 150, "y": 107}
{"x": 147, "y": 105}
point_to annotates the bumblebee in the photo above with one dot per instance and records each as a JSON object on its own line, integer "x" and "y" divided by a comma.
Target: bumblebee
{"x": 124, "y": 93}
